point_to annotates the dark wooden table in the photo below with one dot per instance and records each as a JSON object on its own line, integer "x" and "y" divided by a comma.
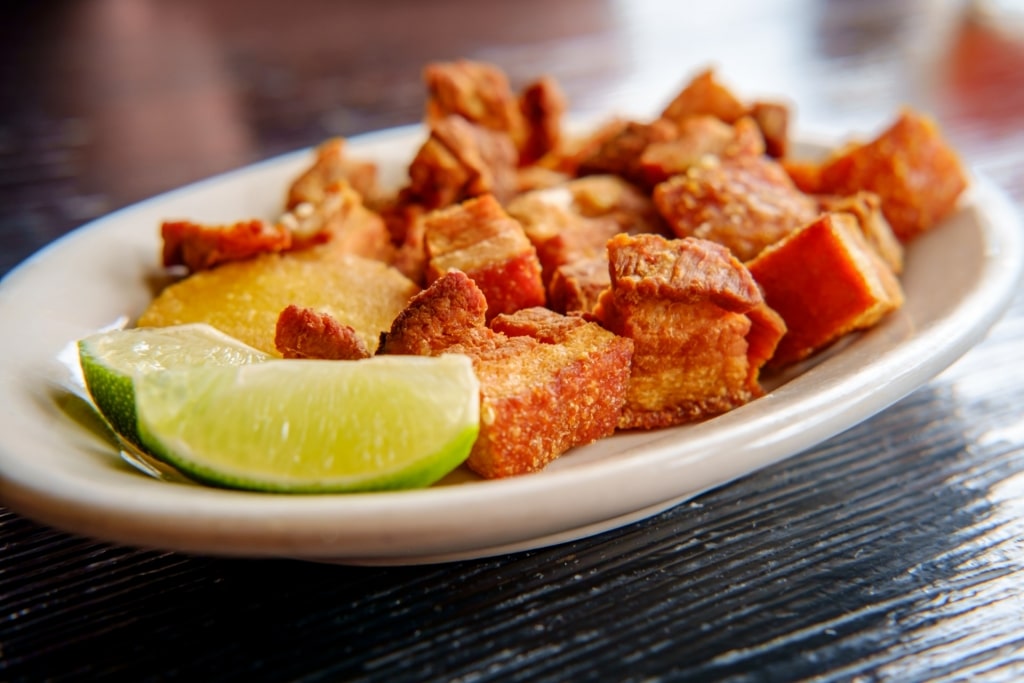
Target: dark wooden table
{"x": 891, "y": 552}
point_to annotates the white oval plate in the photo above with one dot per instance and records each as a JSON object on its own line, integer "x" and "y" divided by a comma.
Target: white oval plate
{"x": 58, "y": 466}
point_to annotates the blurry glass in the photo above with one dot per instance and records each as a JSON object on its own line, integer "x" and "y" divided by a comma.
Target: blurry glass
{"x": 1007, "y": 15}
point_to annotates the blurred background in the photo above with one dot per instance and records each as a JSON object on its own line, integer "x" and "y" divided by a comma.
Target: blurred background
{"x": 106, "y": 102}
{"x": 892, "y": 552}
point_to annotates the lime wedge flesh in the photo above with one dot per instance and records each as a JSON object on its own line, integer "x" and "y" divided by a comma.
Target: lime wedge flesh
{"x": 112, "y": 361}
{"x": 301, "y": 426}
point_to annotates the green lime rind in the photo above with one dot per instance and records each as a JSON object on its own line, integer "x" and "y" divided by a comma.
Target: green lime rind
{"x": 113, "y": 393}
{"x": 427, "y": 471}
{"x": 302, "y": 426}
{"x": 111, "y": 361}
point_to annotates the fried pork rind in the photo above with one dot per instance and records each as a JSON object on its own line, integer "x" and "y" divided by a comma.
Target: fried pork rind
{"x": 573, "y": 151}
{"x": 339, "y": 218}
{"x": 576, "y": 287}
{"x": 547, "y": 382}
{"x": 866, "y": 207}
{"x": 772, "y": 118}
{"x": 699, "y": 326}
{"x": 201, "y": 247}
{"x": 480, "y": 93}
{"x": 305, "y": 333}
{"x": 543, "y": 105}
{"x": 805, "y": 174}
{"x": 744, "y": 203}
{"x": 641, "y": 332}
{"x": 477, "y": 92}
{"x": 530, "y": 178}
{"x": 330, "y": 166}
{"x": 450, "y": 312}
{"x": 622, "y": 152}
{"x": 479, "y": 238}
{"x": 918, "y": 177}
{"x": 461, "y": 160}
{"x": 825, "y": 280}
{"x": 700, "y": 137}
{"x": 575, "y": 220}
{"x": 411, "y": 255}
{"x": 705, "y": 96}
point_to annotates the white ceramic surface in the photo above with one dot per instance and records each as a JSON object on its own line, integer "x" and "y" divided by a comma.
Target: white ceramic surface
{"x": 58, "y": 466}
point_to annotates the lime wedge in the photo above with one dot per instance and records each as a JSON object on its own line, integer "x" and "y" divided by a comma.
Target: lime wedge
{"x": 305, "y": 426}
{"x": 111, "y": 362}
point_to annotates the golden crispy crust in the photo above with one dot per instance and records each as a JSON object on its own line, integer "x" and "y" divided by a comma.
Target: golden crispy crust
{"x": 305, "y": 333}
{"x": 574, "y": 386}
{"x": 548, "y": 382}
{"x": 687, "y": 306}
{"x": 201, "y": 247}
{"x": 704, "y": 95}
{"x": 475, "y": 91}
{"x": 340, "y": 219}
{"x": 699, "y": 137}
{"x": 744, "y": 203}
{"x": 542, "y": 104}
{"x": 331, "y": 165}
{"x": 772, "y": 118}
{"x": 461, "y": 160}
{"x": 479, "y": 238}
{"x": 909, "y": 166}
{"x": 451, "y": 311}
{"x": 866, "y": 207}
{"x": 825, "y": 281}
{"x": 576, "y": 287}
{"x": 575, "y": 220}
{"x": 621, "y": 154}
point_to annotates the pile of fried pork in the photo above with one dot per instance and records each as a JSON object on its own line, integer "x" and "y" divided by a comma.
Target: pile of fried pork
{"x": 639, "y": 276}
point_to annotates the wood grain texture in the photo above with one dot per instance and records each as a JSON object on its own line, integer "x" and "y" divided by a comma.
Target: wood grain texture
{"x": 894, "y": 551}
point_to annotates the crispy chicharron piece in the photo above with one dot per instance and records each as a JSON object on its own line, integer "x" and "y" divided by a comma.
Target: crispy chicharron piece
{"x": 704, "y": 95}
{"x": 622, "y": 152}
{"x": 330, "y": 166}
{"x": 918, "y": 177}
{"x": 825, "y": 281}
{"x": 547, "y": 382}
{"x": 305, "y": 333}
{"x": 576, "y": 287}
{"x": 201, "y": 247}
{"x": 461, "y": 160}
{"x": 745, "y": 203}
{"x": 700, "y": 137}
{"x": 476, "y": 91}
{"x": 340, "y": 218}
{"x": 575, "y": 220}
{"x": 543, "y": 105}
{"x": 699, "y": 326}
{"x": 866, "y": 207}
{"x": 772, "y": 119}
{"x": 479, "y": 238}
